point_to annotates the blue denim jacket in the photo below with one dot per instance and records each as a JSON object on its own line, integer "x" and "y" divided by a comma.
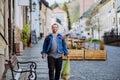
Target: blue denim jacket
{"x": 61, "y": 44}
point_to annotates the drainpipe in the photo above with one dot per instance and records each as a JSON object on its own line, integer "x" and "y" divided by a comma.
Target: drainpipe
{"x": 9, "y": 28}
{"x": 116, "y": 17}
{"x": 13, "y": 28}
{"x": 5, "y": 18}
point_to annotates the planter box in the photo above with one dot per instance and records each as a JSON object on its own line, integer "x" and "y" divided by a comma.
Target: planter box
{"x": 95, "y": 54}
{"x": 18, "y": 48}
{"x": 75, "y": 54}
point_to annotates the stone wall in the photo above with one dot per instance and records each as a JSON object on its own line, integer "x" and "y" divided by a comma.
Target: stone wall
{"x": 2, "y": 67}
{"x": 3, "y": 34}
{"x": 18, "y": 34}
{"x": 1, "y": 38}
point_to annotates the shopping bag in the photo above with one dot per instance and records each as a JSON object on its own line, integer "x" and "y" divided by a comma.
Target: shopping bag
{"x": 66, "y": 70}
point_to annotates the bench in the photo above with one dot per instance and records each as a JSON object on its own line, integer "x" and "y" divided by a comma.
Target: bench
{"x": 20, "y": 74}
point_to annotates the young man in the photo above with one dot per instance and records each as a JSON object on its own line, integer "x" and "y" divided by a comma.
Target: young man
{"x": 54, "y": 46}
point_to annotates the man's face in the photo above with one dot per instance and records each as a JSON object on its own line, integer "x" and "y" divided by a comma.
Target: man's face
{"x": 54, "y": 28}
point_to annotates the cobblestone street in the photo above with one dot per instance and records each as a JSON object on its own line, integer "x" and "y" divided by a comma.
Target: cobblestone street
{"x": 98, "y": 70}
{"x": 80, "y": 70}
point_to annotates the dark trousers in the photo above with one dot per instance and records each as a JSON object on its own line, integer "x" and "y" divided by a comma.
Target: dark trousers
{"x": 54, "y": 65}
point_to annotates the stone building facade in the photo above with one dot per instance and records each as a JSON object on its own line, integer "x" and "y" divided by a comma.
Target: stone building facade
{"x": 43, "y": 17}
{"x": 85, "y": 5}
{"x": 3, "y": 35}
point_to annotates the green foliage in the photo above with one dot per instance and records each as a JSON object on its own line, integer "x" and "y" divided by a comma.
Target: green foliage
{"x": 66, "y": 69}
{"x": 65, "y": 8}
{"x": 24, "y": 42}
{"x": 74, "y": 10}
{"x": 75, "y": 47}
{"x": 54, "y": 5}
{"x": 88, "y": 23}
{"x": 94, "y": 40}
{"x": 26, "y": 31}
{"x": 26, "y": 34}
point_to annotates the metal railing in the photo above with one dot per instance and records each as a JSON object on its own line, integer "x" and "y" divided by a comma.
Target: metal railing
{"x": 111, "y": 39}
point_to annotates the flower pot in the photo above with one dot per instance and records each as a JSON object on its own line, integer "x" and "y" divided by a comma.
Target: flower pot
{"x": 29, "y": 44}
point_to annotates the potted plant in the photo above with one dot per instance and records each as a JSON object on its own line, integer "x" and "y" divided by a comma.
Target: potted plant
{"x": 102, "y": 45}
{"x": 26, "y": 34}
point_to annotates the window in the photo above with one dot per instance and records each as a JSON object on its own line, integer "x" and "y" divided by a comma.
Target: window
{"x": 81, "y": 31}
{"x": 113, "y": 5}
{"x": 88, "y": 34}
{"x": 114, "y": 20}
{"x": 87, "y": 29}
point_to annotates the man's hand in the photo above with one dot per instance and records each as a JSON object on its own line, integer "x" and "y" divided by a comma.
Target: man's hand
{"x": 67, "y": 56}
{"x": 43, "y": 56}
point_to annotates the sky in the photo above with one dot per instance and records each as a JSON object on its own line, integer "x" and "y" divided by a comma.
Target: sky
{"x": 58, "y": 1}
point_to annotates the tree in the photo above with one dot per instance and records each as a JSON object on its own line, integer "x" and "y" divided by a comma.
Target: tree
{"x": 92, "y": 20}
{"x": 65, "y": 8}
{"x": 89, "y": 24}
{"x": 74, "y": 10}
{"x": 54, "y": 5}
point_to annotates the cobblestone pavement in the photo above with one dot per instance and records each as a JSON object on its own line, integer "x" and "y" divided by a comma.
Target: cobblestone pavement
{"x": 80, "y": 70}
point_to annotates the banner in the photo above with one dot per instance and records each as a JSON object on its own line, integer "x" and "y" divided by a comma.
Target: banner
{"x": 23, "y": 2}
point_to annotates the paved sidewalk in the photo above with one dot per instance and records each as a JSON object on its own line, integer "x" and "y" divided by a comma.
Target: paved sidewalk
{"x": 33, "y": 54}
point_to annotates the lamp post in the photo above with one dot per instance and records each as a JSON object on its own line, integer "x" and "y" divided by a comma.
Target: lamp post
{"x": 34, "y": 6}
{"x": 32, "y": 9}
